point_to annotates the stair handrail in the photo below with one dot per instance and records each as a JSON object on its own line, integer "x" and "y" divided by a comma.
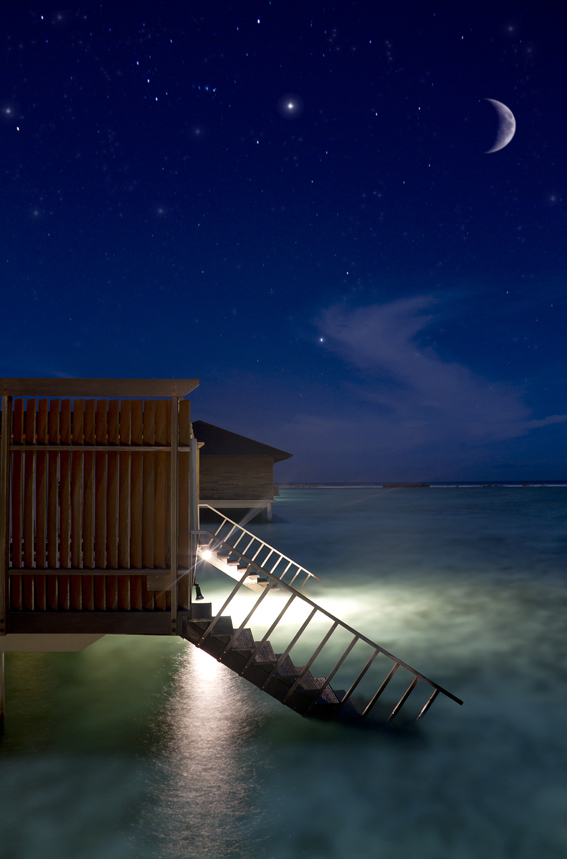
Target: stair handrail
{"x": 253, "y": 565}
{"x": 300, "y": 568}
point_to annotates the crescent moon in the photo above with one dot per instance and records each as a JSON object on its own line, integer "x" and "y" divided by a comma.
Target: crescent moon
{"x": 506, "y": 128}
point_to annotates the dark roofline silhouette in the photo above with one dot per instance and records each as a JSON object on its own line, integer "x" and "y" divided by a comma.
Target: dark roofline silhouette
{"x": 221, "y": 442}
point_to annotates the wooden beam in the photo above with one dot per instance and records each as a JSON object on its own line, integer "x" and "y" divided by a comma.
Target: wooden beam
{"x": 97, "y": 387}
{"x": 233, "y": 502}
{"x": 93, "y": 622}
{"x": 96, "y": 448}
{"x": 81, "y": 571}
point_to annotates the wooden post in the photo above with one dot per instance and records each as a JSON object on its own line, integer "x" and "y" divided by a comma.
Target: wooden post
{"x": 184, "y": 535}
{"x": 4, "y": 516}
{"x": 2, "y": 693}
{"x": 193, "y": 514}
{"x": 174, "y": 510}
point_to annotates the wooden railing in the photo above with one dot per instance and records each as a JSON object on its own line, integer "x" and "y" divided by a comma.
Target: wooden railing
{"x": 230, "y": 534}
{"x": 252, "y": 567}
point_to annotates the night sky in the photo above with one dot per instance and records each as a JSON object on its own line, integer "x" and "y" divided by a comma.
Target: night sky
{"x": 292, "y": 202}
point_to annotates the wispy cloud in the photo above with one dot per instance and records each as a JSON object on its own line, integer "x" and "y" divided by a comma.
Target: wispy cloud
{"x": 414, "y": 385}
{"x": 412, "y": 409}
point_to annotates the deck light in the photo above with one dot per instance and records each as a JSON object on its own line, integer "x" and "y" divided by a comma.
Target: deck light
{"x": 206, "y": 554}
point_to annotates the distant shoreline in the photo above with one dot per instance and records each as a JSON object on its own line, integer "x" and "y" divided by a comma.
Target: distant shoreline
{"x": 446, "y": 485}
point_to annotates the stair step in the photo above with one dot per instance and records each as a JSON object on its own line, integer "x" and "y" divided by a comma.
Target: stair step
{"x": 310, "y": 682}
{"x": 265, "y": 653}
{"x": 287, "y": 668}
{"x": 245, "y": 641}
{"x": 329, "y": 696}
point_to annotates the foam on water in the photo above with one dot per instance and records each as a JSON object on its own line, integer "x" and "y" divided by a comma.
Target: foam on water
{"x": 142, "y": 747}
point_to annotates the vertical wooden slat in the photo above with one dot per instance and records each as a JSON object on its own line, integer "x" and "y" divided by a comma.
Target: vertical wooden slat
{"x": 148, "y": 500}
{"x": 184, "y": 537}
{"x": 53, "y": 506}
{"x": 29, "y": 523}
{"x": 174, "y": 509}
{"x": 89, "y": 505}
{"x": 136, "y": 509}
{"x": 194, "y": 518}
{"x": 160, "y": 513}
{"x": 124, "y": 499}
{"x": 17, "y": 503}
{"x": 124, "y": 485}
{"x": 112, "y": 505}
{"x": 41, "y": 488}
{"x": 41, "y": 506}
{"x": 101, "y": 424}
{"x": 4, "y": 532}
{"x": 168, "y": 530}
{"x": 64, "y": 584}
{"x": 77, "y": 506}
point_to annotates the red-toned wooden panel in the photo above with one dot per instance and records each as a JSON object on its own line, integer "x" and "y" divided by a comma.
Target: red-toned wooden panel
{"x": 17, "y": 503}
{"x": 53, "y": 487}
{"x": 41, "y": 506}
{"x": 148, "y": 499}
{"x": 64, "y": 583}
{"x": 89, "y": 505}
{"x": 112, "y": 504}
{"x": 77, "y": 505}
{"x": 29, "y": 518}
{"x": 101, "y": 434}
{"x": 53, "y": 506}
{"x": 136, "y": 505}
{"x": 184, "y": 536}
{"x": 124, "y": 504}
{"x": 161, "y": 503}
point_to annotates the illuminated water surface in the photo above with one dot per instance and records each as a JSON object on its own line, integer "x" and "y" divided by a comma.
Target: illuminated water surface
{"x": 142, "y": 747}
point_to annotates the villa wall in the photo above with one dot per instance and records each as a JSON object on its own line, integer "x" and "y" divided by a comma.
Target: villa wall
{"x": 236, "y": 477}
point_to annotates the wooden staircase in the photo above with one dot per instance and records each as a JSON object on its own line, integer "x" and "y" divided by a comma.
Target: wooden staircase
{"x": 275, "y": 673}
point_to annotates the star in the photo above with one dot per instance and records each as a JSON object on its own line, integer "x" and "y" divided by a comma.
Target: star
{"x": 290, "y": 106}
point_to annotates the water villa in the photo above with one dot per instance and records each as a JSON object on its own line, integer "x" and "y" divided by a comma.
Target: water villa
{"x": 100, "y": 533}
{"x": 236, "y": 472}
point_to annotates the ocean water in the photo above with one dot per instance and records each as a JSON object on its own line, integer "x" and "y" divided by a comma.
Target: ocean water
{"x": 146, "y": 747}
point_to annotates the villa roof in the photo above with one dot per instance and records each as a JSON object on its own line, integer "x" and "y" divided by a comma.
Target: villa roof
{"x": 221, "y": 442}
{"x": 97, "y": 387}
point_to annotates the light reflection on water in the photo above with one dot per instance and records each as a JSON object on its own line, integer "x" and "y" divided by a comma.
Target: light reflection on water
{"x": 140, "y": 748}
{"x": 205, "y": 790}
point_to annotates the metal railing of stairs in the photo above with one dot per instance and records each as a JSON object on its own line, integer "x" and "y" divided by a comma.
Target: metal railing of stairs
{"x": 295, "y": 686}
{"x": 229, "y": 535}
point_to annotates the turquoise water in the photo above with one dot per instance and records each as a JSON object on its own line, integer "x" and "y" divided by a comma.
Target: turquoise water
{"x": 140, "y": 747}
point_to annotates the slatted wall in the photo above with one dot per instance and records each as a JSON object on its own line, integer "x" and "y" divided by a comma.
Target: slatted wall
{"x": 77, "y": 505}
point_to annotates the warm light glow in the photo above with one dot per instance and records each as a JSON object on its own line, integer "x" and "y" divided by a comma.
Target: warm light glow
{"x": 206, "y": 554}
